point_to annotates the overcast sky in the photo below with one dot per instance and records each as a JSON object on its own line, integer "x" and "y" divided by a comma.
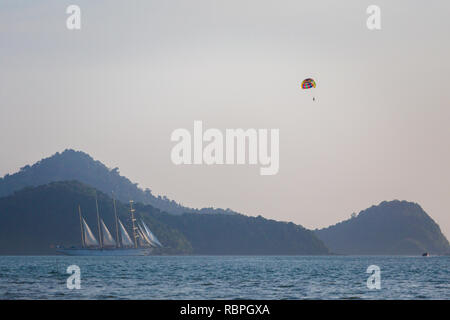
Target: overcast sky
{"x": 137, "y": 70}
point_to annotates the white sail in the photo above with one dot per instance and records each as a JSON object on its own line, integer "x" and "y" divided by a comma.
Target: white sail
{"x": 89, "y": 238}
{"x": 108, "y": 240}
{"x": 144, "y": 237}
{"x": 151, "y": 236}
{"x": 141, "y": 239}
{"x": 126, "y": 240}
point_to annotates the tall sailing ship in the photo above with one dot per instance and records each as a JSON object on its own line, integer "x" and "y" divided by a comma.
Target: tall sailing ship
{"x": 143, "y": 242}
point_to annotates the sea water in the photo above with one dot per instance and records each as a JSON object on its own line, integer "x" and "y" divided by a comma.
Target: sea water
{"x": 224, "y": 277}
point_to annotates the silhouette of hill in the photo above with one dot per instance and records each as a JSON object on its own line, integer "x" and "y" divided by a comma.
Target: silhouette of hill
{"x": 394, "y": 227}
{"x": 77, "y": 165}
{"x": 34, "y": 219}
{"x": 242, "y": 235}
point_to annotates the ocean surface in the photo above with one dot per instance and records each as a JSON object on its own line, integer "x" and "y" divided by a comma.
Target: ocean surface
{"x": 224, "y": 277}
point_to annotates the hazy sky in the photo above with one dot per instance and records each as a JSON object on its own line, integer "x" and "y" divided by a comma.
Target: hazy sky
{"x": 137, "y": 70}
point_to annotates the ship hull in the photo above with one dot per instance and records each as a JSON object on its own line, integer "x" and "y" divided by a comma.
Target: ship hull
{"x": 104, "y": 252}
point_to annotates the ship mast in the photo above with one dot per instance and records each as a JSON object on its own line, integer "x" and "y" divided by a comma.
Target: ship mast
{"x": 117, "y": 223}
{"x": 81, "y": 225}
{"x": 98, "y": 223}
{"x": 133, "y": 220}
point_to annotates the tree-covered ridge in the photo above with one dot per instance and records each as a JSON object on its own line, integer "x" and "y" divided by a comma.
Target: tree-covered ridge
{"x": 240, "y": 234}
{"x": 34, "y": 219}
{"x": 394, "y": 227}
{"x": 45, "y": 213}
{"x": 77, "y": 165}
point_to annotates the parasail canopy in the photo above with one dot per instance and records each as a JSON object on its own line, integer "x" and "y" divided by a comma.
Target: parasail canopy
{"x": 308, "y": 83}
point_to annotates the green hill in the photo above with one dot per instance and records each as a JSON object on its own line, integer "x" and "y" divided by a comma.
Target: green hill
{"x": 45, "y": 214}
{"x": 395, "y": 227}
{"x": 35, "y": 219}
{"x": 77, "y": 165}
{"x": 242, "y": 235}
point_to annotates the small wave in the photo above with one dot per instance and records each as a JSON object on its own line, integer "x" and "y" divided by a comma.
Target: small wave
{"x": 207, "y": 284}
{"x": 286, "y": 286}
